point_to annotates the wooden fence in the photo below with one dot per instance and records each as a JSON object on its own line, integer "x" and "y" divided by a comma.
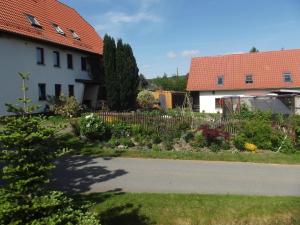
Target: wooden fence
{"x": 166, "y": 123}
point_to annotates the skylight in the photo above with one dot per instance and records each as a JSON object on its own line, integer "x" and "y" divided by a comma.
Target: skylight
{"x": 287, "y": 77}
{"x": 58, "y": 29}
{"x": 33, "y": 20}
{"x": 220, "y": 80}
{"x": 249, "y": 79}
{"x": 75, "y": 35}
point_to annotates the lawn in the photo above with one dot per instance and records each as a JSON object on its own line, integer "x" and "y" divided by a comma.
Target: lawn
{"x": 177, "y": 209}
{"x": 264, "y": 157}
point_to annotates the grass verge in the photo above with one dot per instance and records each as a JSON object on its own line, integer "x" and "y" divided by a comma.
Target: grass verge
{"x": 179, "y": 209}
{"x": 96, "y": 150}
{"x": 266, "y": 157}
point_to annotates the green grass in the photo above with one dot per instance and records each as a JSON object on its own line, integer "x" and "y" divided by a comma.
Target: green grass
{"x": 82, "y": 148}
{"x": 179, "y": 209}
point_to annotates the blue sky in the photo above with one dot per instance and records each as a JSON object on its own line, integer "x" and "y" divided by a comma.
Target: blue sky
{"x": 165, "y": 34}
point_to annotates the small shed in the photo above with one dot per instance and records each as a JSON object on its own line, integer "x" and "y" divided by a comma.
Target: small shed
{"x": 169, "y": 99}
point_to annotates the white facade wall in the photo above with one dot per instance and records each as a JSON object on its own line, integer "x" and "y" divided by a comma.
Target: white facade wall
{"x": 17, "y": 55}
{"x": 207, "y": 99}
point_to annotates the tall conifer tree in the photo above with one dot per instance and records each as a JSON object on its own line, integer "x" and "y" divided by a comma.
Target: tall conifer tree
{"x": 112, "y": 81}
{"x": 127, "y": 69}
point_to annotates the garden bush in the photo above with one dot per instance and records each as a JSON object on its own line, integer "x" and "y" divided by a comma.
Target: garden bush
{"x": 146, "y": 99}
{"x": 65, "y": 106}
{"x": 259, "y": 132}
{"x": 121, "y": 129}
{"x": 93, "y": 128}
{"x": 216, "y": 138}
{"x": 199, "y": 140}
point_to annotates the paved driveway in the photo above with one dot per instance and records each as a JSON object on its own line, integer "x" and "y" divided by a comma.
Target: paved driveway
{"x": 83, "y": 174}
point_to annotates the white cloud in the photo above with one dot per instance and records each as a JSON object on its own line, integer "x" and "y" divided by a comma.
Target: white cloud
{"x": 190, "y": 53}
{"x": 114, "y": 21}
{"x": 121, "y": 17}
{"x": 171, "y": 55}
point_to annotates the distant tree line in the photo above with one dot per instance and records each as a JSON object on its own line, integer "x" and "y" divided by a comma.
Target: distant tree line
{"x": 174, "y": 83}
{"x": 121, "y": 75}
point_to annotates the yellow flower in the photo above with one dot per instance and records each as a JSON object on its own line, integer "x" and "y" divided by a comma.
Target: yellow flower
{"x": 250, "y": 147}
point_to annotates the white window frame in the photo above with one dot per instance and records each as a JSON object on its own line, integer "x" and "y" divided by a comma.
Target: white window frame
{"x": 33, "y": 20}
{"x": 75, "y": 35}
{"x": 58, "y": 29}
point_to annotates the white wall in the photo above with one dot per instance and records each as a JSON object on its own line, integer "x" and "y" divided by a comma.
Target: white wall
{"x": 207, "y": 99}
{"x": 17, "y": 55}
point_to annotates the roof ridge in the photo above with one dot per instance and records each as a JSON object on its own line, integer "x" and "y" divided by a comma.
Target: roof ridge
{"x": 246, "y": 53}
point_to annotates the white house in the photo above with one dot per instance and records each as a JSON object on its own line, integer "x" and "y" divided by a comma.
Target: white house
{"x": 55, "y": 45}
{"x": 250, "y": 74}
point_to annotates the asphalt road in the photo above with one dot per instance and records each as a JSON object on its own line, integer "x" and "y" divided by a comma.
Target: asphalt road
{"x": 89, "y": 175}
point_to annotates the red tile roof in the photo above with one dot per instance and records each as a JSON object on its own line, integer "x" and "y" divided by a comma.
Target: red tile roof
{"x": 266, "y": 68}
{"x": 13, "y": 19}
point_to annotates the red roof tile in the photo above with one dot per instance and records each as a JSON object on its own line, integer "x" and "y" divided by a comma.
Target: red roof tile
{"x": 13, "y": 19}
{"x": 266, "y": 68}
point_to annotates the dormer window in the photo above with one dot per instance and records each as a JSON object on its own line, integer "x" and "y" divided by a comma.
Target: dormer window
{"x": 287, "y": 77}
{"x": 249, "y": 79}
{"x": 58, "y": 29}
{"x": 75, "y": 35}
{"x": 220, "y": 80}
{"x": 33, "y": 20}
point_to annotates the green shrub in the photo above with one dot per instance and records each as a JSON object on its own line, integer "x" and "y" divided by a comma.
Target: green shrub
{"x": 156, "y": 138}
{"x": 113, "y": 143}
{"x": 287, "y": 146}
{"x": 146, "y": 99}
{"x": 93, "y": 128}
{"x": 121, "y": 129}
{"x": 187, "y": 136}
{"x": 239, "y": 141}
{"x": 65, "y": 106}
{"x": 199, "y": 140}
{"x": 215, "y": 147}
{"x": 127, "y": 142}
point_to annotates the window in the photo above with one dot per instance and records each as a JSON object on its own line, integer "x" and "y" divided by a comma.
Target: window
{"x": 220, "y": 80}
{"x": 40, "y": 56}
{"x": 219, "y": 102}
{"x": 58, "y": 29}
{"x": 70, "y": 61}
{"x": 287, "y": 77}
{"x": 56, "y": 58}
{"x": 33, "y": 21}
{"x": 71, "y": 90}
{"x": 249, "y": 79}
{"x": 75, "y": 35}
{"x": 83, "y": 63}
{"x": 42, "y": 92}
{"x": 57, "y": 90}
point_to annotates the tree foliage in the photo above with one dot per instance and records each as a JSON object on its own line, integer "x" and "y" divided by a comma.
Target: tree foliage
{"x": 253, "y": 50}
{"x": 121, "y": 74}
{"x": 143, "y": 82}
{"x": 112, "y": 81}
{"x": 174, "y": 83}
{"x": 126, "y": 68}
{"x": 27, "y": 153}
